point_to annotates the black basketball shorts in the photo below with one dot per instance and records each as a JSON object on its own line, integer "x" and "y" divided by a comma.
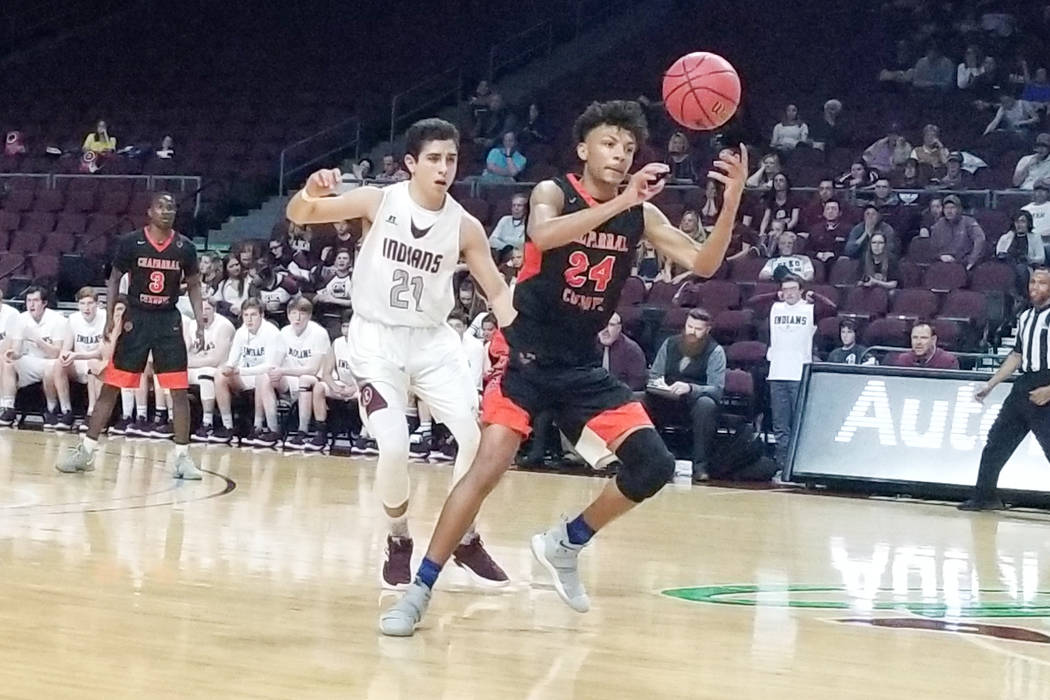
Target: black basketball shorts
{"x": 144, "y": 332}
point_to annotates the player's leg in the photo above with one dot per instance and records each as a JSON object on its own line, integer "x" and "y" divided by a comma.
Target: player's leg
{"x": 58, "y": 377}
{"x": 224, "y": 388}
{"x": 319, "y": 407}
{"x": 304, "y": 400}
{"x": 141, "y": 427}
{"x": 123, "y": 372}
{"x": 1007, "y": 432}
{"x": 170, "y": 370}
{"x": 8, "y": 384}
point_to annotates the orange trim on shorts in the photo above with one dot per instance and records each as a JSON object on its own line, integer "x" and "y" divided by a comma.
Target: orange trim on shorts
{"x": 611, "y": 424}
{"x": 121, "y": 378}
{"x": 497, "y": 409}
{"x": 173, "y": 380}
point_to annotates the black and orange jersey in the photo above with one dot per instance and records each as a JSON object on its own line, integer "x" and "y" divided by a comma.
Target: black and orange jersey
{"x": 155, "y": 271}
{"x": 565, "y": 295}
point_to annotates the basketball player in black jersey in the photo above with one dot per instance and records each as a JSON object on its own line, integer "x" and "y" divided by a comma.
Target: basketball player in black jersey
{"x": 582, "y": 235}
{"x": 157, "y": 260}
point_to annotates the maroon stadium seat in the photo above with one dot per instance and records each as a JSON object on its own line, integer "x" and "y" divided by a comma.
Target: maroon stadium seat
{"x": 18, "y": 201}
{"x": 866, "y": 301}
{"x": 24, "y": 243}
{"x": 920, "y": 250}
{"x": 57, "y": 243}
{"x": 844, "y": 272}
{"x": 662, "y": 294}
{"x": 915, "y": 303}
{"x": 49, "y": 200}
{"x": 9, "y": 221}
{"x": 945, "y": 276}
{"x": 71, "y": 223}
{"x": 114, "y": 202}
{"x": 38, "y": 222}
{"x": 746, "y": 269}
{"x": 44, "y": 265}
{"x": 992, "y": 276}
{"x": 633, "y": 292}
{"x": 79, "y": 200}
{"x": 746, "y": 354}
{"x": 719, "y": 295}
{"x": 895, "y": 332}
{"x": 733, "y": 325}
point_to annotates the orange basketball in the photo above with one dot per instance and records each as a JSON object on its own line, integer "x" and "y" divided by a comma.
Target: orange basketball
{"x": 701, "y": 90}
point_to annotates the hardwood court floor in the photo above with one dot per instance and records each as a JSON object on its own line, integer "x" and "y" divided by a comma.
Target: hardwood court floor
{"x": 124, "y": 583}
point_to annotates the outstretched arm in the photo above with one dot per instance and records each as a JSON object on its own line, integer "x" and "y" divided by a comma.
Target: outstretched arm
{"x": 314, "y": 205}
{"x": 549, "y": 228}
{"x": 475, "y": 249}
{"x": 702, "y": 259}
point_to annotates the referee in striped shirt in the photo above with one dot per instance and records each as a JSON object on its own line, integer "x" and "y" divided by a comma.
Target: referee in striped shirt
{"x": 1027, "y": 408}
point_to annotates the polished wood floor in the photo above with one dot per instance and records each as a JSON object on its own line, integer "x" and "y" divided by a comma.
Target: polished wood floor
{"x": 262, "y": 582}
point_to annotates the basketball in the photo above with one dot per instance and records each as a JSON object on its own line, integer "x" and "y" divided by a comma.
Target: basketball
{"x": 701, "y": 91}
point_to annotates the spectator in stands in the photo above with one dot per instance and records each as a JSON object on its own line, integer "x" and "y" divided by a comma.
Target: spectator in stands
{"x": 789, "y": 132}
{"x": 650, "y": 264}
{"x": 857, "y": 242}
{"x": 336, "y": 291}
{"x": 798, "y": 265}
{"x": 469, "y": 302}
{"x": 496, "y": 122}
{"x": 986, "y": 86}
{"x": 828, "y": 132}
{"x": 899, "y": 68}
{"x": 1014, "y": 116}
{"x": 779, "y": 205}
{"x": 813, "y": 212}
{"x": 878, "y": 266}
{"x": 956, "y": 237}
{"x": 690, "y": 225}
{"x": 827, "y": 238}
{"x": 392, "y": 170}
{"x": 679, "y": 159}
{"x": 1039, "y": 208}
{"x": 883, "y": 196}
{"x": 232, "y": 291}
{"x": 1034, "y": 168}
{"x": 536, "y": 129}
{"x": 99, "y": 141}
{"x": 167, "y": 148}
{"x": 910, "y": 178}
{"x": 711, "y": 204}
{"x": 934, "y": 71}
{"x": 210, "y": 267}
{"x": 932, "y": 152}
{"x": 933, "y": 213}
{"x": 623, "y": 357}
{"x": 688, "y": 373}
{"x": 742, "y": 243}
{"x": 511, "y": 266}
{"x": 1037, "y": 90}
{"x": 955, "y": 178}
{"x": 792, "y": 324}
{"x": 924, "y": 351}
{"x": 274, "y": 288}
{"x": 849, "y": 353}
{"x": 970, "y": 68}
{"x": 294, "y": 263}
{"x": 362, "y": 169}
{"x": 889, "y": 152}
{"x": 763, "y": 177}
{"x": 479, "y": 102}
{"x": 1020, "y": 248}
{"x": 858, "y": 177}
{"x": 509, "y": 232}
{"x": 504, "y": 163}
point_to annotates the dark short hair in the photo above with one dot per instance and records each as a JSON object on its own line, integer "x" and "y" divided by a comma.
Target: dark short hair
{"x": 923, "y": 322}
{"x": 251, "y": 303}
{"x": 624, "y": 114}
{"x": 699, "y": 314}
{"x": 85, "y": 292}
{"x": 1027, "y": 215}
{"x": 426, "y": 130}
{"x": 848, "y": 323}
{"x": 344, "y": 249}
{"x": 301, "y": 303}
{"x": 791, "y": 278}
{"x": 158, "y": 195}
{"x": 36, "y": 289}
{"x": 459, "y": 316}
{"x": 872, "y": 205}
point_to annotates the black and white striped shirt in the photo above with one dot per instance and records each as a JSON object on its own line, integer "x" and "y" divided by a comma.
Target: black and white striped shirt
{"x": 1033, "y": 343}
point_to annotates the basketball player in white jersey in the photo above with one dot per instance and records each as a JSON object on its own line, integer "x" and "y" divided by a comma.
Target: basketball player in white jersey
{"x": 34, "y": 348}
{"x": 414, "y": 235}
{"x": 256, "y": 348}
{"x": 81, "y": 356}
{"x": 305, "y": 345}
{"x": 203, "y": 362}
{"x": 8, "y": 319}
{"x": 337, "y": 290}
{"x": 337, "y": 384}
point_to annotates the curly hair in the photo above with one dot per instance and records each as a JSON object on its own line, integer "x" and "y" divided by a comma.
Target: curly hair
{"x": 625, "y": 114}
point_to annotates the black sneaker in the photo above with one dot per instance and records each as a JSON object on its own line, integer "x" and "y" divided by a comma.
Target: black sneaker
{"x": 700, "y": 474}
{"x": 371, "y": 447}
{"x": 140, "y": 428}
{"x": 121, "y": 426}
{"x": 357, "y": 446}
{"x": 295, "y": 441}
{"x": 220, "y": 434}
{"x": 318, "y": 442}
{"x": 50, "y": 420}
{"x": 7, "y": 418}
{"x": 252, "y": 438}
{"x": 420, "y": 445}
{"x": 979, "y": 504}
{"x": 446, "y": 452}
{"x": 267, "y": 438}
{"x": 65, "y": 421}
{"x": 397, "y": 567}
{"x": 201, "y": 434}
{"x": 163, "y": 431}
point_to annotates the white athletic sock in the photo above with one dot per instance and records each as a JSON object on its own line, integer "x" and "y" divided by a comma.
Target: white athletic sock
{"x": 140, "y": 412}
{"x": 398, "y": 526}
{"x": 227, "y": 421}
{"x": 207, "y": 418}
{"x": 90, "y": 445}
{"x": 181, "y": 450}
{"x": 127, "y": 403}
{"x": 52, "y": 407}
{"x": 7, "y": 402}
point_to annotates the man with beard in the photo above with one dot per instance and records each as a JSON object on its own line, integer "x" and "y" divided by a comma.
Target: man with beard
{"x": 689, "y": 372}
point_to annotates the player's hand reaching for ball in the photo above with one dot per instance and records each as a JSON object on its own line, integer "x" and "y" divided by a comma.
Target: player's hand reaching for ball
{"x": 646, "y": 183}
{"x": 731, "y": 171}
{"x": 323, "y": 182}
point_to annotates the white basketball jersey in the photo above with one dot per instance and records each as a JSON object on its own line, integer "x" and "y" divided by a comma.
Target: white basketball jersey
{"x": 51, "y": 329}
{"x": 211, "y": 334}
{"x": 301, "y": 349}
{"x": 8, "y": 320}
{"x": 403, "y": 274}
{"x": 87, "y": 337}
{"x": 251, "y": 352}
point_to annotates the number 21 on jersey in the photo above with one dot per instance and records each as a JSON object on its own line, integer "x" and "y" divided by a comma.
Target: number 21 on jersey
{"x": 580, "y": 271}
{"x": 402, "y": 283}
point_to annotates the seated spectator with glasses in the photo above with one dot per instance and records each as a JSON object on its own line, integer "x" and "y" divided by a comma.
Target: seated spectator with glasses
{"x": 689, "y": 373}
{"x": 797, "y": 265}
{"x": 924, "y": 351}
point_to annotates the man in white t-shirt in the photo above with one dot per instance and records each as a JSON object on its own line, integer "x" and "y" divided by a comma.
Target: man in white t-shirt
{"x": 791, "y": 328}
{"x": 305, "y": 345}
{"x": 338, "y": 385}
{"x": 797, "y": 265}
{"x": 336, "y": 291}
{"x": 256, "y": 348}
{"x": 1034, "y": 168}
{"x": 1039, "y": 208}
{"x": 35, "y": 345}
{"x": 473, "y": 348}
{"x": 203, "y": 362}
{"x": 81, "y": 356}
{"x": 8, "y": 319}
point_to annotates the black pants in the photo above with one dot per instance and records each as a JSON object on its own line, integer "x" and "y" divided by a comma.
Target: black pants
{"x": 703, "y": 419}
{"x": 1017, "y": 417}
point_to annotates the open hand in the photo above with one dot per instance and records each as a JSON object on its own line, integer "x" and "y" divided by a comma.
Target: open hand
{"x": 982, "y": 393}
{"x": 731, "y": 171}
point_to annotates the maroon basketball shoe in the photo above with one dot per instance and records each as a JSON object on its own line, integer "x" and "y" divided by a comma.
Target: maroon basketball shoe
{"x": 473, "y": 558}
{"x": 397, "y": 569}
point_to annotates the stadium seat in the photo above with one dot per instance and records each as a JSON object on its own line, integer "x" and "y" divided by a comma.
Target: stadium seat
{"x": 914, "y": 303}
{"x": 894, "y": 332}
{"x": 718, "y": 295}
{"x": 746, "y": 354}
{"x": 845, "y": 272}
{"x": 871, "y": 302}
{"x": 733, "y": 325}
{"x": 23, "y": 243}
{"x": 945, "y": 276}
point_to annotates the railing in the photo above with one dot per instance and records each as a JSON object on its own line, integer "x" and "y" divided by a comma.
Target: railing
{"x": 338, "y": 138}
{"x": 439, "y": 89}
{"x": 153, "y": 182}
{"x": 525, "y": 45}
{"x": 982, "y": 361}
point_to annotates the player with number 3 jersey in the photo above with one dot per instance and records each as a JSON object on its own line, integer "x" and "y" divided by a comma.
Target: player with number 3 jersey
{"x": 414, "y": 236}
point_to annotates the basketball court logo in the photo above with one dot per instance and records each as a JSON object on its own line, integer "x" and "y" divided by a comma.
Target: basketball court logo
{"x": 914, "y": 609}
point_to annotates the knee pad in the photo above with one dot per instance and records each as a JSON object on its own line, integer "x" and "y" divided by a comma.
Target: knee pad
{"x": 645, "y": 465}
